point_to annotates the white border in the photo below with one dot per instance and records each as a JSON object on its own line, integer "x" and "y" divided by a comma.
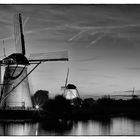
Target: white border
{"x": 70, "y": 2}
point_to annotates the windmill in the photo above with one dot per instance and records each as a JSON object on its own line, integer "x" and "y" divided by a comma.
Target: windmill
{"x": 130, "y": 95}
{"x": 132, "y": 91}
{"x": 15, "y": 90}
{"x": 70, "y": 90}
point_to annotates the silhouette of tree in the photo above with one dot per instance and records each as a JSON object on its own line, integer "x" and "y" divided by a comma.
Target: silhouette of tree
{"x": 61, "y": 103}
{"x": 77, "y": 102}
{"x": 91, "y": 109}
{"x": 89, "y": 102}
{"x": 40, "y": 97}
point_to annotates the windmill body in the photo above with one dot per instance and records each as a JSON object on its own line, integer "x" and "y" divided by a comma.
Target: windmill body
{"x": 71, "y": 92}
{"x": 20, "y": 96}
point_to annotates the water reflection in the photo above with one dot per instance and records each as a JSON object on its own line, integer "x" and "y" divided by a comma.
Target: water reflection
{"x": 125, "y": 126}
{"x": 18, "y": 128}
{"x": 55, "y": 127}
{"x": 48, "y": 127}
{"x": 105, "y": 127}
{"x": 91, "y": 127}
{"x": 114, "y": 126}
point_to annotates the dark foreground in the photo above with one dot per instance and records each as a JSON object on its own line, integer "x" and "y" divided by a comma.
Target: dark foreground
{"x": 20, "y": 114}
{"x": 77, "y": 109}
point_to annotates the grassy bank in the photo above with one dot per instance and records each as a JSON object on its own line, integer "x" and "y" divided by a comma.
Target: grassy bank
{"x": 89, "y": 108}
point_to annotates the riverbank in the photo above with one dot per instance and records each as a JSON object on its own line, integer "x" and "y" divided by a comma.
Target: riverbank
{"x": 89, "y": 109}
{"x": 77, "y": 109}
{"x": 21, "y": 114}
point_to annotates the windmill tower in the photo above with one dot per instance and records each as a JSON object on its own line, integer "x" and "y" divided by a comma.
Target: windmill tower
{"x": 15, "y": 90}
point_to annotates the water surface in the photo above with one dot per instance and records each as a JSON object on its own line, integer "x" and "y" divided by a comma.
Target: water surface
{"x": 113, "y": 126}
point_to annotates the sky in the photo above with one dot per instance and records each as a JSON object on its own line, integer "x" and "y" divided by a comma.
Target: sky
{"x": 103, "y": 43}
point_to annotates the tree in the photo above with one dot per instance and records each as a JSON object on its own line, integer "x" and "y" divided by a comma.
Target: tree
{"x": 40, "y": 98}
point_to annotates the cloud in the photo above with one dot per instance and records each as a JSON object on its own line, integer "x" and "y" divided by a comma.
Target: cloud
{"x": 5, "y": 22}
{"x": 96, "y": 40}
{"x": 113, "y": 85}
{"x": 108, "y": 76}
{"x": 7, "y": 38}
{"x": 93, "y": 83}
{"x": 77, "y": 35}
{"x": 133, "y": 68}
{"x": 54, "y": 28}
{"x": 88, "y": 59}
{"x": 99, "y": 28}
{"x": 25, "y": 21}
{"x": 103, "y": 31}
{"x": 86, "y": 69}
{"x": 104, "y": 76}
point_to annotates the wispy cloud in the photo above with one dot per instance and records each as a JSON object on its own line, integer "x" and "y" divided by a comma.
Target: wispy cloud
{"x": 25, "y": 22}
{"x": 86, "y": 69}
{"x": 113, "y": 85}
{"x": 44, "y": 29}
{"x": 133, "y": 68}
{"x": 89, "y": 59}
{"x": 103, "y": 27}
{"x": 94, "y": 33}
{"x": 77, "y": 35}
{"x": 32, "y": 31}
{"x": 96, "y": 40}
{"x": 7, "y": 38}
{"x": 108, "y": 76}
{"x": 104, "y": 76}
{"x": 104, "y": 30}
{"x": 12, "y": 36}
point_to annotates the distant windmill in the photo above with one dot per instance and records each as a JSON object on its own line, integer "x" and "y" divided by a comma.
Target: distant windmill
{"x": 128, "y": 95}
{"x": 15, "y": 88}
{"x": 70, "y": 90}
{"x": 133, "y": 91}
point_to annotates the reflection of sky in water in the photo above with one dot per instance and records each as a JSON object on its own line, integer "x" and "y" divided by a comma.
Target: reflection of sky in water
{"x": 9, "y": 129}
{"x": 124, "y": 126}
{"x": 91, "y": 128}
{"x": 114, "y": 126}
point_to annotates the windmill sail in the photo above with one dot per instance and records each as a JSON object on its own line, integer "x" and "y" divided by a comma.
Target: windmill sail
{"x": 18, "y": 34}
{"x": 66, "y": 82}
{"x": 50, "y": 56}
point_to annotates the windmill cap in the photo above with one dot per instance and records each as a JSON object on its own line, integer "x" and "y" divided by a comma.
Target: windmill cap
{"x": 18, "y": 58}
{"x": 71, "y": 86}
